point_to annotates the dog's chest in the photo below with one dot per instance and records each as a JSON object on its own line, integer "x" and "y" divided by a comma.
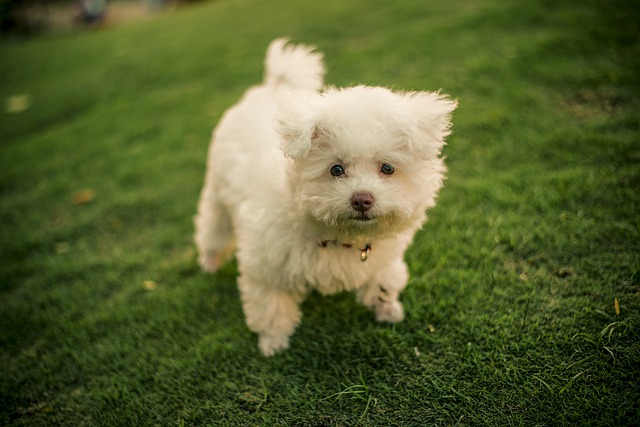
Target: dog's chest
{"x": 338, "y": 268}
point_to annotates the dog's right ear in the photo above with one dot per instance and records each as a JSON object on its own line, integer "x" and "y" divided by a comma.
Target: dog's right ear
{"x": 297, "y": 122}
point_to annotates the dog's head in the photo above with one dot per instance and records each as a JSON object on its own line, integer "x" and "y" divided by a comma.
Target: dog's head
{"x": 365, "y": 161}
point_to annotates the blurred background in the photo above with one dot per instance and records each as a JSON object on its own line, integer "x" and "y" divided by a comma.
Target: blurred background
{"x": 20, "y": 17}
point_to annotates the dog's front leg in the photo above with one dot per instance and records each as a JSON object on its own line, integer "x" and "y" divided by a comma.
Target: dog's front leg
{"x": 272, "y": 313}
{"x": 381, "y": 294}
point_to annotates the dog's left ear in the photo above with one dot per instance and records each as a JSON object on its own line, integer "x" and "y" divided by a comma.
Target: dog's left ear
{"x": 430, "y": 123}
{"x": 297, "y": 122}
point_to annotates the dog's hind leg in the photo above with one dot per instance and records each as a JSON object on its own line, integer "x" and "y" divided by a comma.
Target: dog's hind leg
{"x": 214, "y": 234}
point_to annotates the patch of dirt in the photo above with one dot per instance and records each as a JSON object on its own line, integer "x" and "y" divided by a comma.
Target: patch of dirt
{"x": 594, "y": 103}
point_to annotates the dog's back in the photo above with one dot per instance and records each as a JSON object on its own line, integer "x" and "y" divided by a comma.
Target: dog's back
{"x": 245, "y": 148}
{"x": 245, "y": 143}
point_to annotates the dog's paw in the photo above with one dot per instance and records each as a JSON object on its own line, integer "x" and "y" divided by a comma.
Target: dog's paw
{"x": 389, "y": 311}
{"x": 271, "y": 344}
{"x": 210, "y": 261}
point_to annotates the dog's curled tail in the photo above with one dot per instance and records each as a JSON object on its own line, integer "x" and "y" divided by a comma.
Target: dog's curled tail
{"x": 297, "y": 66}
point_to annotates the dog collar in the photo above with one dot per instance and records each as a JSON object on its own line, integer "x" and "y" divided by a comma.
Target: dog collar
{"x": 364, "y": 253}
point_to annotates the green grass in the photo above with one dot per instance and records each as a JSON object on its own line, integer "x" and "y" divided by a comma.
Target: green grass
{"x": 510, "y": 308}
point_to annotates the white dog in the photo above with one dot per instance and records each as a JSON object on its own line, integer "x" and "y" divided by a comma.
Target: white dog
{"x": 318, "y": 190}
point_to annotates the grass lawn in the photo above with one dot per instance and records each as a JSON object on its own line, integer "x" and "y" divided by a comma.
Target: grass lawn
{"x": 523, "y": 306}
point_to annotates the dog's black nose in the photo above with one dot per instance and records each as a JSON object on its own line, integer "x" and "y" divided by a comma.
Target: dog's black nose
{"x": 362, "y": 201}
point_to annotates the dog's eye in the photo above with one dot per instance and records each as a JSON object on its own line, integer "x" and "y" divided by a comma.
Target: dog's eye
{"x": 387, "y": 169}
{"x": 337, "y": 170}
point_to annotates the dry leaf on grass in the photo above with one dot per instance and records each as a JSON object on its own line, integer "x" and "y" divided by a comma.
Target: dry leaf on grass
{"x": 84, "y": 196}
{"x": 150, "y": 285}
{"x": 17, "y": 104}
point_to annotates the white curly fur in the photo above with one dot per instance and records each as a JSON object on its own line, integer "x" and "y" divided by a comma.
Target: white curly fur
{"x": 270, "y": 197}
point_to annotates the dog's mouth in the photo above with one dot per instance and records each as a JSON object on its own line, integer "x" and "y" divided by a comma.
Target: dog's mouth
{"x": 363, "y": 218}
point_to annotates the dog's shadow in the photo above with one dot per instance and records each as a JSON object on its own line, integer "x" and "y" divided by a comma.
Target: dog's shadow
{"x": 335, "y": 329}
{"x": 338, "y": 330}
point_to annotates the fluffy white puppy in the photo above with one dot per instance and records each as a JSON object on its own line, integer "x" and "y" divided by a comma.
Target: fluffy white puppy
{"x": 318, "y": 190}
